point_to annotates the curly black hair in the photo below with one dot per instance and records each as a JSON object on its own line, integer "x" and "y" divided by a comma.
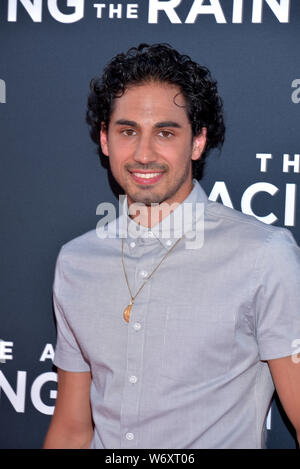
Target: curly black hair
{"x": 160, "y": 62}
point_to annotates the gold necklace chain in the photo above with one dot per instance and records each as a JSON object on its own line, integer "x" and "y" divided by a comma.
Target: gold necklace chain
{"x": 127, "y": 311}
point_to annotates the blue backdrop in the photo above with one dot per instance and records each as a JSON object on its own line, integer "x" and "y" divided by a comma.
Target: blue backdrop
{"x": 51, "y": 177}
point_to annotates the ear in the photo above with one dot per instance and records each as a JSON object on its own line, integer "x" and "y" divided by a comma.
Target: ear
{"x": 104, "y": 139}
{"x": 199, "y": 143}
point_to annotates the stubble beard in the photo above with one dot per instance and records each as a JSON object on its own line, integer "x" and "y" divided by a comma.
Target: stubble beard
{"x": 156, "y": 198}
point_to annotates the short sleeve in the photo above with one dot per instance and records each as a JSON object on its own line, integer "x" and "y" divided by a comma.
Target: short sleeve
{"x": 67, "y": 352}
{"x": 278, "y": 298}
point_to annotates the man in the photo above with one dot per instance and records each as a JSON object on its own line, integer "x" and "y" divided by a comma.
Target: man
{"x": 171, "y": 332}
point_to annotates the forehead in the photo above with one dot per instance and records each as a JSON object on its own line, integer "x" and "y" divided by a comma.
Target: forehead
{"x": 154, "y": 100}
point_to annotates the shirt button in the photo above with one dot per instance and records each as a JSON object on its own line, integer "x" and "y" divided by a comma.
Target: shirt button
{"x": 129, "y": 436}
{"x": 137, "y": 326}
{"x": 150, "y": 234}
{"x": 132, "y": 244}
{"x": 133, "y": 379}
{"x": 169, "y": 242}
{"x": 143, "y": 273}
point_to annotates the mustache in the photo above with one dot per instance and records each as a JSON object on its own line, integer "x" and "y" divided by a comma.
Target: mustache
{"x": 146, "y": 167}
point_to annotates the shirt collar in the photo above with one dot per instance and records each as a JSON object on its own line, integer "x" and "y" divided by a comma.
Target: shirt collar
{"x": 178, "y": 222}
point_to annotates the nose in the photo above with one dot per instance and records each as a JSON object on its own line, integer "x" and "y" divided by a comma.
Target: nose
{"x": 144, "y": 152}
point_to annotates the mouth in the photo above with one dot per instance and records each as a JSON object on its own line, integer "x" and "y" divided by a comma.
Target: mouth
{"x": 146, "y": 178}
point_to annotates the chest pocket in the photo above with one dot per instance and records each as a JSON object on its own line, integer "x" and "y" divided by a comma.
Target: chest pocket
{"x": 197, "y": 346}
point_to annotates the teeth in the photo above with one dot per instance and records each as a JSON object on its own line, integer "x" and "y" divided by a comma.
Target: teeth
{"x": 146, "y": 175}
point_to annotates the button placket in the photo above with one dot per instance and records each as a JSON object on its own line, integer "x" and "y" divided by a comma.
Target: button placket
{"x": 134, "y": 369}
{"x": 133, "y": 379}
{"x": 137, "y": 326}
{"x": 143, "y": 274}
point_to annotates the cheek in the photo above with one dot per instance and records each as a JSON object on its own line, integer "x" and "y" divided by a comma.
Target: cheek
{"x": 118, "y": 159}
{"x": 178, "y": 155}
{"x": 120, "y": 148}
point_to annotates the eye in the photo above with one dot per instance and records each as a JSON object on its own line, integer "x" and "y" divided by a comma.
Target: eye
{"x": 165, "y": 134}
{"x": 128, "y": 132}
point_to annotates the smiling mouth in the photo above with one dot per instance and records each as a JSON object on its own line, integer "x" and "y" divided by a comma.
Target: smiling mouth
{"x": 146, "y": 177}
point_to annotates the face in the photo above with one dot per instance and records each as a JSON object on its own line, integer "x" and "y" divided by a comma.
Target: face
{"x": 150, "y": 145}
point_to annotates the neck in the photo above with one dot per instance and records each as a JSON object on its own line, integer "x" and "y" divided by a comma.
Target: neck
{"x": 150, "y": 216}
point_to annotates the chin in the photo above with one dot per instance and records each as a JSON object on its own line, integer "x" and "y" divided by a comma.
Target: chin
{"x": 146, "y": 200}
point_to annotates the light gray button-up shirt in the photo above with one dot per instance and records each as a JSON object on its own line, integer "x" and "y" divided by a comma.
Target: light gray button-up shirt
{"x": 188, "y": 370}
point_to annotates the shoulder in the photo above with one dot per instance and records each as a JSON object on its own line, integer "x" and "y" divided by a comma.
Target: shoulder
{"x": 266, "y": 257}
{"x": 245, "y": 228}
{"x": 85, "y": 246}
{"x": 85, "y": 242}
{"x": 94, "y": 243}
{"x": 86, "y": 239}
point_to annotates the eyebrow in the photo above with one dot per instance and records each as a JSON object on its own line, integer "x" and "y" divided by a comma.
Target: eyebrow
{"x": 126, "y": 122}
{"x": 158, "y": 125}
{"x": 167, "y": 124}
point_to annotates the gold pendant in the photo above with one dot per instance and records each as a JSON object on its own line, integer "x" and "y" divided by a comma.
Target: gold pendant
{"x": 127, "y": 311}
